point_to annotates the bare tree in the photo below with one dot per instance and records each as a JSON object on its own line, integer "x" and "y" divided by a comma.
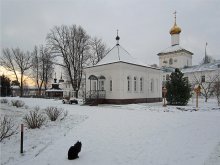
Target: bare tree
{"x": 206, "y": 84}
{"x": 72, "y": 43}
{"x": 97, "y": 51}
{"x": 42, "y": 66}
{"x": 216, "y": 89}
{"x": 207, "y": 59}
{"x": 18, "y": 62}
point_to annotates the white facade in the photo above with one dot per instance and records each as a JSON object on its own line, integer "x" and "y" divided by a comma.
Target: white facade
{"x": 175, "y": 59}
{"x": 143, "y": 82}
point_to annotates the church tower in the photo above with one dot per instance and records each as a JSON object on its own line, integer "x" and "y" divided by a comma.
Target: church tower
{"x": 175, "y": 33}
{"x": 175, "y": 56}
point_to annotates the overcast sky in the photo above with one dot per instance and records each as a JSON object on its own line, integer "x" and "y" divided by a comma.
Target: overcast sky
{"x": 143, "y": 24}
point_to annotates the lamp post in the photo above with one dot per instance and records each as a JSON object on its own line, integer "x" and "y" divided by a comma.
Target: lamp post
{"x": 197, "y": 90}
{"x": 164, "y": 91}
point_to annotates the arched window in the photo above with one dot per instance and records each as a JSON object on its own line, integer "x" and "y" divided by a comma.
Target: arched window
{"x": 141, "y": 84}
{"x": 152, "y": 85}
{"x": 170, "y": 61}
{"x": 129, "y": 83}
{"x": 135, "y": 84}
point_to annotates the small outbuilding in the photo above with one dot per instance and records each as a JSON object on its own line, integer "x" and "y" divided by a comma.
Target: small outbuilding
{"x": 55, "y": 91}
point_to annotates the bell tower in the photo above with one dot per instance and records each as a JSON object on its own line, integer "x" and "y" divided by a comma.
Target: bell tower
{"x": 175, "y": 56}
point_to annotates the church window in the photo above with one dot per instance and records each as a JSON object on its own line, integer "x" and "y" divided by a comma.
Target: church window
{"x": 170, "y": 61}
{"x": 94, "y": 85}
{"x": 202, "y": 78}
{"x": 110, "y": 85}
{"x": 141, "y": 84}
{"x": 167, "y": 77}
{"x": 129, "y": 83}
{"x": 135, "y": 84}
{"x": 152, "y": 85}
{"x": 157, "y": 85}
{"x": 101, "y": 85}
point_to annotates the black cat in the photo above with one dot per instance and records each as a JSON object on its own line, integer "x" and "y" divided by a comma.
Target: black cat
{"x": 74, "y": 151}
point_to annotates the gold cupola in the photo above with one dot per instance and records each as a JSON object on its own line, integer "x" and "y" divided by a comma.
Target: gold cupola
{"x": 175, "y": 29}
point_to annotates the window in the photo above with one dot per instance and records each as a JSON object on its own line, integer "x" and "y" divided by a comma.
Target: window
{"x": 101, "y": 85}
{"x": 94, "y": 85}
{"x": 170, "y": 61}
{"x": 110, "y": 85}
{"x": 141, "y": 84}
{"x": 202, "y": 78}
{"x": 187, "y": 78}
{"x": 135, "y": 84}
{"x": 152, "y": 85}
{"x": 129, "y": 83}
{"x": 167, "y": 77}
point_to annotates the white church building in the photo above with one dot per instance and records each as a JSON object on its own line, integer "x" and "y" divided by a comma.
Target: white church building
{"x": 120, "y": 78}
{"x": 176, "y": 56}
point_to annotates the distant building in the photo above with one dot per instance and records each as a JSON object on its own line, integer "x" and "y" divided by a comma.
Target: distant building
{"x": 55, "y": 91}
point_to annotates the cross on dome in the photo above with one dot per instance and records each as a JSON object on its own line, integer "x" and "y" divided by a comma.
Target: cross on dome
{"x": 175, "y": 29}
{"x": 117, "y": 38}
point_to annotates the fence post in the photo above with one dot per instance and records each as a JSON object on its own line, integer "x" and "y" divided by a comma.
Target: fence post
{"x": 22, "y": 136}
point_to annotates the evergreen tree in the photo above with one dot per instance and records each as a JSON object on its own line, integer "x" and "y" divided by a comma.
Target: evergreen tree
{"x": 5, "y": 86}
{"x": 178, "y": 89}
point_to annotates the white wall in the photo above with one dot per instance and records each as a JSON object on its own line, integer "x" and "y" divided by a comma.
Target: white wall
{"x": 118, "y": 73}
{"x": 180, "y": 60}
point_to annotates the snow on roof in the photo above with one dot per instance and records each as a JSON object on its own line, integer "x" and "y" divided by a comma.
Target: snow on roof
{"x": 203, "y": 67}
{"x": 174, "y": 48}
{"x": 119, "y": 54}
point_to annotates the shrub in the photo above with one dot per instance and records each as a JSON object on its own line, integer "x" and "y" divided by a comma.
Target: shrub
{"x": 64, "y": 115}
{"x": 17, "y": 103}
{"x": 6, "y": 128}
{"x": 4, "y": 101}
{"x": 53, "y": 113}
{"x": 34, "y": 119}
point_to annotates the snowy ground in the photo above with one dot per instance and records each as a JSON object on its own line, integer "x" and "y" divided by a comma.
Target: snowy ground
{"x": 118, "y": 134}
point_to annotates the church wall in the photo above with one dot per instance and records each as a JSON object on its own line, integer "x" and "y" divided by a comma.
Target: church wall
{"x": 147, "y": 74}
{"x": 118, "y": 73}
{"x": 179, "y": 60}
{"x": 111, "y": 72}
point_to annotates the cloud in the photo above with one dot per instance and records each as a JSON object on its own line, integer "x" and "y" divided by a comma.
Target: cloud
{"x": 143, "y": 25}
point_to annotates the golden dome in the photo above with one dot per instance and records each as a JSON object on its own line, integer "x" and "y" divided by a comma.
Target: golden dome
{"x": 175, "y": 29}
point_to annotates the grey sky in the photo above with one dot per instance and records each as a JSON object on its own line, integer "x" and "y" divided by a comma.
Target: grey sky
{"x": 143, "y": 24}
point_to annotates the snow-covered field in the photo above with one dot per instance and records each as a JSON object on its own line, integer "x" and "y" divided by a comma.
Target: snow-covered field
{"x": 135, "y": 134}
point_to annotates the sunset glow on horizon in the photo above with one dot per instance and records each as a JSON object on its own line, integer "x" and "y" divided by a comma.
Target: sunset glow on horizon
{"x": 27, "y": 80}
